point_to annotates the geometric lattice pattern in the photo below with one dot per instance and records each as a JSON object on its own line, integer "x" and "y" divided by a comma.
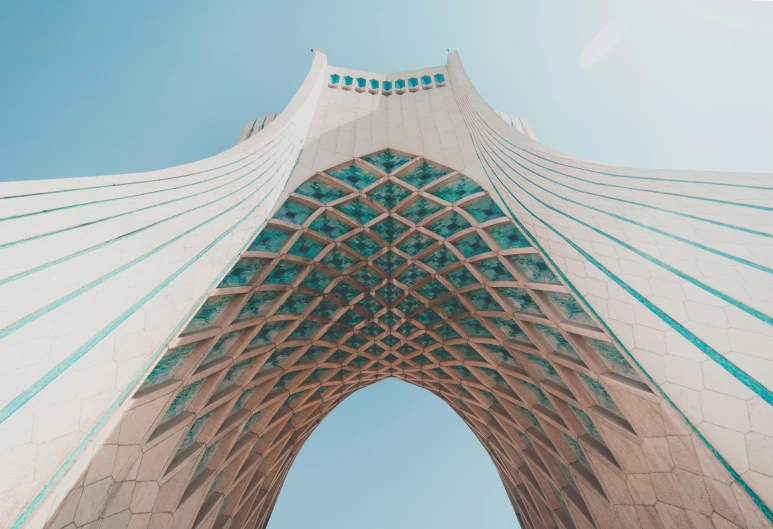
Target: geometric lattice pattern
{"x": 390, "y": 266}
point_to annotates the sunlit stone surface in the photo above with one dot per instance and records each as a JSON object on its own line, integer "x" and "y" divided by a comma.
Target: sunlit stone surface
{"x": 171, "y": 339}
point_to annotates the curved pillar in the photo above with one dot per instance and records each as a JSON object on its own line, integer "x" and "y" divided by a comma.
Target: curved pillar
{"x": 171, "y": 339}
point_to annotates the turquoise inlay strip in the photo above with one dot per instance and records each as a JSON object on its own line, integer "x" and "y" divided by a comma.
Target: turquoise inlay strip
{"x": 738, "y": 373}
{"x": 617, "y": 199}
{"x": 19, "y": 523}
{"x": 625, "y": 219}
{"x": 749, "y": 491}
{"x": 650, "y": 178}
{"x": 129, "y": 234}
{"x": 26, "y": 195}
{"x": 92, "y": 222}
{"x": 46, "y": 379}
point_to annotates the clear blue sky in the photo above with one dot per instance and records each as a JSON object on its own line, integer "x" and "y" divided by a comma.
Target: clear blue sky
{"x": 91, "y": 88}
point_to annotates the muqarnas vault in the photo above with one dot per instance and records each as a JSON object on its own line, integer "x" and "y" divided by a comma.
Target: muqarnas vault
{"x": 171, "y": 339}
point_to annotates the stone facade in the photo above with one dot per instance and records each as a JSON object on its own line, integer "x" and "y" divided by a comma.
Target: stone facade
{"x": 171, "y": 339}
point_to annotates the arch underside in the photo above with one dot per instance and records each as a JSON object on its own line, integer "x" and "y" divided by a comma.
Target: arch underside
{"x": 391, "y": 265}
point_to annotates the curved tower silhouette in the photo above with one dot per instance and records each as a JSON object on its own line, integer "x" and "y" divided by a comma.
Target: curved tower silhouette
{"x": 170, "y": 339}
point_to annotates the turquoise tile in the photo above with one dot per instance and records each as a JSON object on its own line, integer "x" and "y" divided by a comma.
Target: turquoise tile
{"x": 432, "y": 290}
{"x": 484, "y": 210}
{"x": 555, "y": 340}
{"x": 242, "y": 272}
{"x": 457, "y": 189}
{"x": 388, "y": 160}
{"x": 269, "y": 240}
{"x": 416, "y": 243}
{"x": 598, "y": 392}
{"x": 330, "y": 226}
{"x": 283, "y": 273}
{"x": 358, "y": 210}
{"x": 268, "y": 333}
{"x": 319, "y": 190}
{"x": 367, "y": 276}
{"x": 449, "y": 225}
{"x": 209, "y": 313}
{"x": 511, "y": 330}
{"x": 325, "y": 309}
{"x": 494, "y": 270}
{"x": 423, "y": 174}
{"x": 587, "y": 423}
{"x": 389, "y": 195}
{"x": 305, "y": 330}
{"x": 345, "y": 291}
{"x": 233, "y": 374}
{"x": 520, "y": 299}
{"x": 508, "y": 237}
{"x": 502, "y": 354}
{"x": 535, "y": 268}
{"x": 389, "y": 229}
{"x": 307, "y": 247}
{"x": 452, "y": 306}
{"x": 389, "y": 292}
{"x": 389, "y": 319}
{"x": 317, "y": 280}
{"x": 182, "y": 400}
{"x": 569, "y": 308}
{"x": 363, "y": 245}
{"x": 482, "y": 300}
{"x": 469, "y": 352}
{"x": 370, "y": 305}
{"x": 222, "y": 346}
{"x": 428, "y": 317}
{"x": 412, "y": 275}
{"x": 355, "y": 176}
{"x": 579, "y": 453}
{"x": 546, "y": 368}
{"x": 294, "y": 212}
{"x": 537, "y": 393}
{"x": 169, "y": 365}
{"x": 612, "y": 358}
{"x": 472, "y": 245}
{"x": 440, "y": 258}
{"x": 474, "y": 328}
{"x": 389, "y": 263}
{"x": 338, "y": 260}
{"x": 258, "y": 302}
{"x": 409, "y": 304}
{"x": 420, "y": 209}
{"x": 295, "y": 304}
{"x": 278, "y": 357}
{"x": 461, "y": 277}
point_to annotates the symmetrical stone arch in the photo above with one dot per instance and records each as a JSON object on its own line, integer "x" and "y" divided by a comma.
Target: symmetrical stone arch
{"x": 392, "y": 265}
{"x": 571, "y": 313}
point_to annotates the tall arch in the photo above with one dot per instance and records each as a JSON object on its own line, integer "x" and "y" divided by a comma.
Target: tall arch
{"x": 470, "y": 261}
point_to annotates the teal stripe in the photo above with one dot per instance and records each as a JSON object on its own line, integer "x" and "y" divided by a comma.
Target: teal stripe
{"x": 636, "y": 177}
{"x": 111, "y": 217}
{"x": 115, "y": 199}
{"x": 18, "y": 524}
{"x": 730, "y": 367}
{"x": 106, "y": 186}
{"x": 134, "y": 232}
{"x": 749, "y": 491}
{"x": 625, "y": 219}
{"x": 46, "y": 379}
{"x": 616, "y": 199}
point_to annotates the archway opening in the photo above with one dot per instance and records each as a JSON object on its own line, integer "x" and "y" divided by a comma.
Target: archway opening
{"x": 393, "y": 455}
